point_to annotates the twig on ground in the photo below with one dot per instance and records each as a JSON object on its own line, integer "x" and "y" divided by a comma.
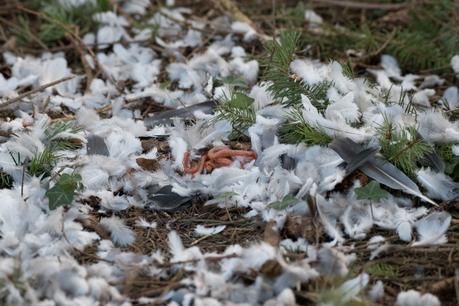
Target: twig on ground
{"x": 33, "y": 91}
{"x": 80, "y": 49}
{"x": 72, "y": 117}
{"x": 199, "y": 240}
{"x": 363, "y": 5}
{"x": 210, "y": 258}
{"x": 443, "y": 284}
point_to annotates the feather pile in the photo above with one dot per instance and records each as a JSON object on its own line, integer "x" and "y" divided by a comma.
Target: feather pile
{"x": 38, "y": 245}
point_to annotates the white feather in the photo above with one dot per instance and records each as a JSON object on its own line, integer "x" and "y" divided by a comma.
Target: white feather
{"x": 306, "y": 70}
{"x": 119, "y": 232}
{"x": 455, "y": 63}
{"x": 414, "y": 298}
{"x": 244, "y": 28}
{"x": 432, "y": 228}
{"x": 248, "y": 70}
{"x": 178, "y": 147}
{"x": 352, "y": 287}
{"x": 344, "y": 109}
{"x": 141, "y": 222}
{"x": 438, "y": 185}
{"x": 357, "y": 221}
{"x": 390, "y": 65}
{"x": 376, "y": 292}
{"x": 202, "y": 230}
{"x": 451, "y": 97}
{"x": 312, "y": 17}
{"x": 72, "y": 283}
{"x": 434, "y": 127}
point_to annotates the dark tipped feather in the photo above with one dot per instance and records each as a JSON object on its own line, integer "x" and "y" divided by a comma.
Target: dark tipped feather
{"x": 433, "y": 161}
{"x": 165, "y": 199}
{"x": 288, "y": 162}
{"x": 185, "y": 112}
{"x": 376, "y": 168}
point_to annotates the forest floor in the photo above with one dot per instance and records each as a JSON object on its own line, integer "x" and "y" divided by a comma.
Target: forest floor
{"x": 422, "y": 36}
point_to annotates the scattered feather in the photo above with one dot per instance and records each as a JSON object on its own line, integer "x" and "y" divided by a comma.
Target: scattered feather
{"x": 432, "y": 228}
{"x": 201, "y": 230}
{"x": 119, "y": 232}
{"x": 438, "y": 185}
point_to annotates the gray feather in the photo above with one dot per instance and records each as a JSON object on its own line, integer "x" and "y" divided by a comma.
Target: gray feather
{"x": 96, "y": 146}
{"x": 165, "y": 199}
{"x": 376, "y": 168}
{"x": 361, "y": 158}
{"x": 387, "y": 174}
{"x": 433, "y": 161}
{"x": 185, "y": 112}
{"x": 288, "y": 162}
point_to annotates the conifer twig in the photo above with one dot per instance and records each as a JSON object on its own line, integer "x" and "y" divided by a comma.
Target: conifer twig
{"x": 33, "y": 91}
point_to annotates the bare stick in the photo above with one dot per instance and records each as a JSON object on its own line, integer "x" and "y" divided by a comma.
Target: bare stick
{"x": 33, "y": 91}
{"x": 87, "y": 68}
{"x": 363, "y": 5}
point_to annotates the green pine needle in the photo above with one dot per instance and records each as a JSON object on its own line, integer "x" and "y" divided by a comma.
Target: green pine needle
{"x": 239, "y": 111}
{"x": 402, "y": 147}
{"x": 6, "y": 181}
{"x": 430, "y": 38}
{"x": 284, "y": 86}
{"x": 59, "y": 18}
{"x": 382, "y": 270}
{"x": 43, "y": 162}
{"x": 58, "y": 143}
{"x": 297, "y": 130}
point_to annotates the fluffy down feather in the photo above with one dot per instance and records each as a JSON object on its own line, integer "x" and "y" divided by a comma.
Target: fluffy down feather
{"x": 432, "y": 228}
{"x": 119, "y": 232}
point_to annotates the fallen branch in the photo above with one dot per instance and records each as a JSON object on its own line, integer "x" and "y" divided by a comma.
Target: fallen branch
{"x": 33, "y": 91}
{"x": 195, "y": 260}
{"x": 363, "y": 5}
{"x": 79, "y": 46}
{"x": 73, "y": 117}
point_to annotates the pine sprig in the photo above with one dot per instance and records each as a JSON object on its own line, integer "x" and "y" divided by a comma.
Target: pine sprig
{"x": 238, "y": 109}
{"x": 402, "y": 147}
{"x": 57, "y": 17}
{"x": 56, "y": 143}
{"x": 430, "y": 38}
{"x": 297, "y": 130}
{"x": 285, "y": 86}
{"x": 43, "y": 162}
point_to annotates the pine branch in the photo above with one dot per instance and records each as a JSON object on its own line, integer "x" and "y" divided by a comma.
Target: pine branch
{"x": 402, "y": 147}
{"x": 42, "y": 163}
{"x": 238, "y": 110}
{"x": 297, "y": 130}
{"x": 284, "y": 86}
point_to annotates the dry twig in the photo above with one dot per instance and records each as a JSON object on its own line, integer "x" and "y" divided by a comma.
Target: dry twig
{"x": 33, "y": 91}
{"x": 363, "y": 5}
